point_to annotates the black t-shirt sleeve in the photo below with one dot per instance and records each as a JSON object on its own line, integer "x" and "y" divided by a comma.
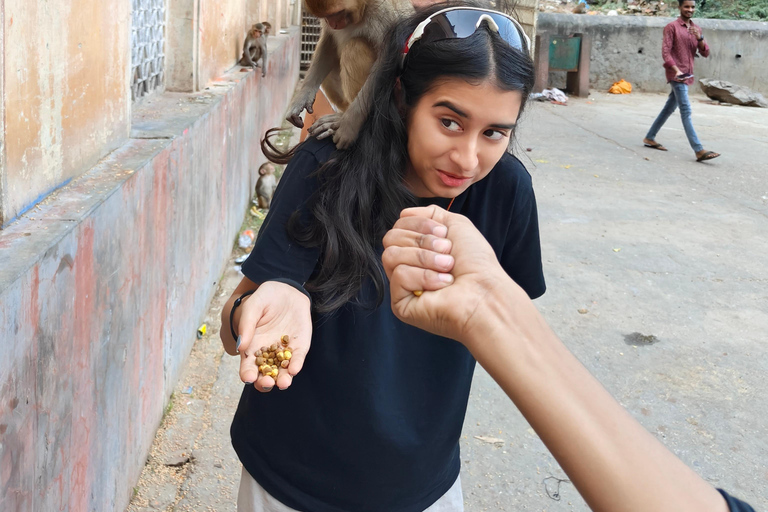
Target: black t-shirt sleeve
{"x": 275, "y": 254}
{"x": 521, "y": 255}
{"x": 735, "y": 505}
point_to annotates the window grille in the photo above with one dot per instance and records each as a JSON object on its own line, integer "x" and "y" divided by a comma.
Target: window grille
{"x": 147, "y": 46}
{"x": 310, "y": 35}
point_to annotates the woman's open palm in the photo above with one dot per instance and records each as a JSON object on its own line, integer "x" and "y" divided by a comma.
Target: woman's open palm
{"x": 273, "y": 311}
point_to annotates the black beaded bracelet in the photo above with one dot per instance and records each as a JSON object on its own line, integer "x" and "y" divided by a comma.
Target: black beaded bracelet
{"x": 232, "y": 312}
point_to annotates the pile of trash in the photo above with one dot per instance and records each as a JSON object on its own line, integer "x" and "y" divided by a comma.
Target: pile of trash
{"x": 554, "y": 95}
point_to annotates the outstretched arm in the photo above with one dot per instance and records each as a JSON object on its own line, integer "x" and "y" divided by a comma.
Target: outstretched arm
{"x": 615, "y": 464}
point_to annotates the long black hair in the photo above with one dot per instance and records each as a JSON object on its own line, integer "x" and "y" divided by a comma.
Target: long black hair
{"x": 361, "y": 190}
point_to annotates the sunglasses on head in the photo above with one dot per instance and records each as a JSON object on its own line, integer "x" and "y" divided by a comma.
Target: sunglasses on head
{"x": 461, "y": 22}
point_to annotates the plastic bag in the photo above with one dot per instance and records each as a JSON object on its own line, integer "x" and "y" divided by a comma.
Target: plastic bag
{"x": 621, "y": 87}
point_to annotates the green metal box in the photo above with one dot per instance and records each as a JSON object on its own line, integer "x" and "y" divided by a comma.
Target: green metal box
{"x": 564, "y": 53}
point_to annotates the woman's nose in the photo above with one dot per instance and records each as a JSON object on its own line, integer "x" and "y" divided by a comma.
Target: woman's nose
{"x": 464, "y": 154}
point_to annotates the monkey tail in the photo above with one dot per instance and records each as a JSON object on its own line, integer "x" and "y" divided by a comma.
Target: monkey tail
{"x": 272, "y": 152}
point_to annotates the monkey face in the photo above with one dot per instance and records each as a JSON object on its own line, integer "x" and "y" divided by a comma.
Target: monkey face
{"x": 337, "y": 13}
{"x": 457, "y": 133}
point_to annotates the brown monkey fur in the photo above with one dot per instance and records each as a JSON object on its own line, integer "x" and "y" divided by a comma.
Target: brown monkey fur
{"x": 266, "y": 185}
{"x": 353, "y": 32}
{"x": 255, "y": 48}
{"x": 267, "y": 28}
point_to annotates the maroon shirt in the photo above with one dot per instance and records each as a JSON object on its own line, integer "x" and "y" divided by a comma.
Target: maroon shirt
{"x": 679, "y": 47}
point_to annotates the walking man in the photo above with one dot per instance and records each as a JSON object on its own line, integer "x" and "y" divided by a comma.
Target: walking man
{"x": 682, "y": 39}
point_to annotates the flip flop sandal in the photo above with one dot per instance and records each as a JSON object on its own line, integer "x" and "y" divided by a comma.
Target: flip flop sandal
{"x": 709, "y": 155}
{"x": 655, "y": 145}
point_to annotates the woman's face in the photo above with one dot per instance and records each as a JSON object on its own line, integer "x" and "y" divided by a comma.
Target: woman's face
{"x": 457, "y": 132}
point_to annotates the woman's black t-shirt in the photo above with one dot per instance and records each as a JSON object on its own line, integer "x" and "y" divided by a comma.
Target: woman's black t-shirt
{"x": 372, "y": 422}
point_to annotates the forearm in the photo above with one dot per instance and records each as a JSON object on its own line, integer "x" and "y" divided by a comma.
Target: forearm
{"x": 612, "y": 460}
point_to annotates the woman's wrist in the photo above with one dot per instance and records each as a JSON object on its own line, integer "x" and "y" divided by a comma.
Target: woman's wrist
{"x": 501, "y": 318}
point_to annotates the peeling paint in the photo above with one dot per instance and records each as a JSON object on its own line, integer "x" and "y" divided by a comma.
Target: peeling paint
{"x": 98, "y": 325}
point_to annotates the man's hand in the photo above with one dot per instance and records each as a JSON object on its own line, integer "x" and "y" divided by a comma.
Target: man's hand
{"x": 274, "y": 309}
{"x": 694, "y": 30}
{"x": 444, "y": 256}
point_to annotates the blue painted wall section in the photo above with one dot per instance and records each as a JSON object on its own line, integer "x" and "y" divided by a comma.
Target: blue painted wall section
{"x": 103, "y": 286}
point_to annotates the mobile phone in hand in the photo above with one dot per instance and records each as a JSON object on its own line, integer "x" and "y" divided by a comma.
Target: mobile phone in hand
{"x": 683, "y": 77}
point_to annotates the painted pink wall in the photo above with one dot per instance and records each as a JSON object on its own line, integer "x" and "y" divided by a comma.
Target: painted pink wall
{"x": 101, "y": 294}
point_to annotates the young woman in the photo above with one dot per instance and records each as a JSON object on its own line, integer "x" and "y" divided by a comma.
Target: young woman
{"x": 369, "y": 418}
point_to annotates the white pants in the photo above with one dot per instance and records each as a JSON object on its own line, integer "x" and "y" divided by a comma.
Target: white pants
{"x": 253, "y": 498}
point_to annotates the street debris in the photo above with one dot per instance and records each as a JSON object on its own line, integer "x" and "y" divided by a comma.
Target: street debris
{"x": 554, "y": 493}
{"x": 727, "y": 92}
{"x": 246, "y": 239}
{"x": 490, "y": 440}
{"x": 621, "y": 87}
{"x": 201, "y": 331}
{"x": 640, "y": 340}
{"x": 583, "y": 311}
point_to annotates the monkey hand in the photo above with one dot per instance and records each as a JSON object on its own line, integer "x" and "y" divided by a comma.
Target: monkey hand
{"x": 325, "y": 126}
{"x": 303, "y": 101}
{"x": 272, "y": 311}
{"x": 348, "y": 129}
{"x": 444, "y": 256}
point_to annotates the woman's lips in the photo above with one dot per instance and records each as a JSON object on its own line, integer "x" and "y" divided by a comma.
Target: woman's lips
{"x": 449, "y": 180}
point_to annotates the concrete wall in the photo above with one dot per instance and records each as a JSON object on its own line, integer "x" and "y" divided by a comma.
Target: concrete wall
{"x": 103, "y": 287}
{"x": 221, "y": 32}
{"x": 65, "y": 97}
{"x": 629, "y": 47}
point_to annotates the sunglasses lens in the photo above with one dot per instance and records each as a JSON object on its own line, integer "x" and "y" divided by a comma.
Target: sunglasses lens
{"x": 459, "y": 24}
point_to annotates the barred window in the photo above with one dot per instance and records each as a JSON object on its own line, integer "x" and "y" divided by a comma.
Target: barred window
{"x": 147, "y": 46}
{"x": 310, "y": 35}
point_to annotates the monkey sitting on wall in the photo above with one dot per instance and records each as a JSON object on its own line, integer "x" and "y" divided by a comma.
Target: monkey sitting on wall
{"x": 255, "y": 48}
{"x": 266, "y": 185}
{"x": 352, "y": 35}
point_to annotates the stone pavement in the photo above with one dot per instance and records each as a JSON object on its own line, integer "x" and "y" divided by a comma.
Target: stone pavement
{"x": 637, "y": 244}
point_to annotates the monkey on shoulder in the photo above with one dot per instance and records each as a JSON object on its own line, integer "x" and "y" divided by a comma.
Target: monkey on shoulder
{"x": 266, "y": 185}
{"x": 351, "y": 40}
{"x": 255, "y": 48}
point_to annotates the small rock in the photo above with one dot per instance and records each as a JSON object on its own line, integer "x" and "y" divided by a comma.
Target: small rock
{"x": 583, "y": 311}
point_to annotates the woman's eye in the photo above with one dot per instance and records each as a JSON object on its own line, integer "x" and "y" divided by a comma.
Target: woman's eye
{"x": 451, "y": 124}
{"x": 495, "y": 134}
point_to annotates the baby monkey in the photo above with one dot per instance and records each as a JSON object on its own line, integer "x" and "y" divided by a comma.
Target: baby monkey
{"x": 255, "y": 48}
{"x": 266, "y": 185}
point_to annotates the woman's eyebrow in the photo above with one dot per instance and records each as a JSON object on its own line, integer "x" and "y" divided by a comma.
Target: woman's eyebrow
{"x": 461, "y": 113}
{"x": 449, "y": 105}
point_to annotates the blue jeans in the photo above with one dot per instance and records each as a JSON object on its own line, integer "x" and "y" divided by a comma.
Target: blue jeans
{"x": 677, "y": 98}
